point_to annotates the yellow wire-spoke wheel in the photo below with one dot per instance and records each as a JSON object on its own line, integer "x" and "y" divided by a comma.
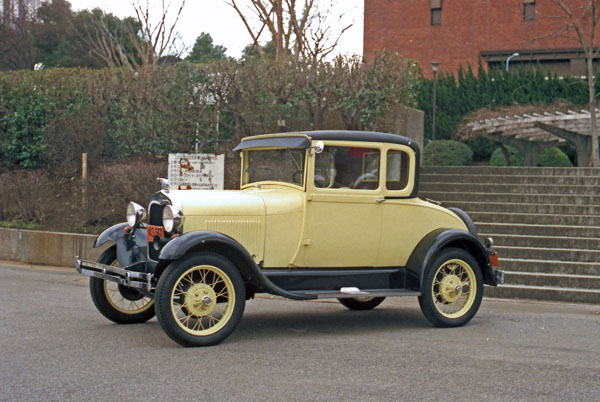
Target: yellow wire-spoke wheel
{"x": 202, "y": 300}
{"x": 126, "y": 300}
{"x": 452, "y": 288}
{"x": 119, "y": 303}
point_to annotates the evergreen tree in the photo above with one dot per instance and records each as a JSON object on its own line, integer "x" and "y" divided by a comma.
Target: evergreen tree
{"x": 204, "y": 50}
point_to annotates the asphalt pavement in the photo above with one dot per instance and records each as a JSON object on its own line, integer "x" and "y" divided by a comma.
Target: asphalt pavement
{"x": 55, "y": 346}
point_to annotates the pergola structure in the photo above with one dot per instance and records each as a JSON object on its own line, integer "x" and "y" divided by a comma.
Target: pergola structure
{"x": 531, "y": 133}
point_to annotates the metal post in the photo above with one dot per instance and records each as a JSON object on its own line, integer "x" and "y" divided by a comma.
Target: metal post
{"x": 84, "y": 181}
{"x": 434, "y": 66}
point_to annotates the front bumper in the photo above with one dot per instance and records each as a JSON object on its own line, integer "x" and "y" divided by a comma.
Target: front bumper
{"x": 125, "y": 277}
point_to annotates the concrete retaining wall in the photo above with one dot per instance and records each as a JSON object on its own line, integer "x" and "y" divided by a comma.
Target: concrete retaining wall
{"x": 47, "y": 248}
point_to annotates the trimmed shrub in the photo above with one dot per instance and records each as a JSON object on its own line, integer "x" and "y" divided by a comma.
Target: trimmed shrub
{"x": 553, "y": 157}
{"x": 448, "y": 153}
{"x": 498, "y": 159}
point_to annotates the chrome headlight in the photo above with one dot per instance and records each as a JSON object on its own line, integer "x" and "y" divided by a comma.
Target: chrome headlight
{"x": 172, "y": 218}
{"x": 135, "y": 214}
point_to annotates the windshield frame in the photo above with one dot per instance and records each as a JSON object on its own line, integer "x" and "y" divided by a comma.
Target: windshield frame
{"x": 245, "y": 160}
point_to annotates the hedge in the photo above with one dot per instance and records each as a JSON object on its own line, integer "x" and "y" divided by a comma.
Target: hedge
{"x": 49, "y": 117}
{"x": 465, "y": 92}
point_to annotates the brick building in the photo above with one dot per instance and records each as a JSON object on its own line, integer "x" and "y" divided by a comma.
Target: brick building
{"x": 460, "y": 32}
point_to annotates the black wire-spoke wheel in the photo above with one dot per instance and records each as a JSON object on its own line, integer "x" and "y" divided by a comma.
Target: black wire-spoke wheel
{"x": 361, "y": 303}
{"x": 119, "y": 303}
{"x": 452, "y": 288}
{"x": 200, "y": 299}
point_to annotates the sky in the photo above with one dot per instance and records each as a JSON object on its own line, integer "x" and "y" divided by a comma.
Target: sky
{"x": 226, "y": 28}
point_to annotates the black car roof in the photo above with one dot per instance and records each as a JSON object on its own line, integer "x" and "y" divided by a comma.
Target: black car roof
{"x": 333, "y": 135}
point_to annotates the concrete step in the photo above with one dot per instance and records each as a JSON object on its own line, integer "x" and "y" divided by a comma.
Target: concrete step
{"x": 523, "y": 208}
{"x": 545, "y": 223}
{"x": 525, "y": 189}
{"x": 513, "y": 171}
{"x": 510, "y": 179}
{"x": 549, "y": 242}
{"x": 549, "y": 266}
{"x": 534, "y": 230}
{"x": 543, "y": 293}
{"x": 552, "y": 280}
{"x": 507, "y": 198}
{"x": 592, "y": 221}
{"x": 548, "y": 254}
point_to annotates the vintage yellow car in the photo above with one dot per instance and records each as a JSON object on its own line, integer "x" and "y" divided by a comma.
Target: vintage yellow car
{"x": 321, "y": 214}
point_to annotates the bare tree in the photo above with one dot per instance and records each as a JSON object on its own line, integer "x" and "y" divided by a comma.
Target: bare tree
{"x": 578, "y": 20}
{"x": 317, "y": 42}
{"x": 299, "y": 28}
{"x": 141, "y": 43}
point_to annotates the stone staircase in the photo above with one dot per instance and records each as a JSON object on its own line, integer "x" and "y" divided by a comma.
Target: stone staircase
{"x": 545, "y": 223}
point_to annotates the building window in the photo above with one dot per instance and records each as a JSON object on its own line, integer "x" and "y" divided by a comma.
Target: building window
{"x": 436, "y": 12}
{"x": 528, "y": 10}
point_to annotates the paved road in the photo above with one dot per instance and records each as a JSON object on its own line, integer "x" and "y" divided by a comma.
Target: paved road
{"x": 55, "y": 346}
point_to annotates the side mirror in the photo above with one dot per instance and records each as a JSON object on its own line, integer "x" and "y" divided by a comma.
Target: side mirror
{"x": 319, "y": 147}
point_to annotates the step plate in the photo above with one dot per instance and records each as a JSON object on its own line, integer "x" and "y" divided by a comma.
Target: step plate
{"x": 334, "y": 294}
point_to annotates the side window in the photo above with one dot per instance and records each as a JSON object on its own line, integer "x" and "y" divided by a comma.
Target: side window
{"x": 347, "y": 167}
{"x": 397, "y": 170}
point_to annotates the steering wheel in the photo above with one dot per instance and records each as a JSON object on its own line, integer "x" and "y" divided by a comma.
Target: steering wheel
{"x": 362, "y": 179}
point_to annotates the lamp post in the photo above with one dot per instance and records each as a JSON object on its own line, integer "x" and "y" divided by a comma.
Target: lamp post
{"x": 510, "y": 57}
{"x": 434, "y": 66}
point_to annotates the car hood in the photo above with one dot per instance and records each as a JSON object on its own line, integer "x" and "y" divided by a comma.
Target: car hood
{"x": 250, "y": 202}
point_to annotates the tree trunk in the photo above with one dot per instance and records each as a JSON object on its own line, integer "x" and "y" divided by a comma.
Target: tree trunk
{"x": 595, "y": 157}
{"x": 279, "y": 38}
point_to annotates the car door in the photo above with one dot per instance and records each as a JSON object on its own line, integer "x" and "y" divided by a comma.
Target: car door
{"x": 342, "y": 223}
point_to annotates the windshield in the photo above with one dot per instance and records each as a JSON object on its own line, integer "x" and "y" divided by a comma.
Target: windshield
{"x": 277, "y": 164}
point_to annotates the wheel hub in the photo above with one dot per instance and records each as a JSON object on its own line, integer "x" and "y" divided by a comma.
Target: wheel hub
{"x": 200, "y": 300}
{"x": 450, "y": 288}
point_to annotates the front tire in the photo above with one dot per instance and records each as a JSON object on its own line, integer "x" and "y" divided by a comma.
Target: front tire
{"x": 200, "y": 299}
{"x": 452, "y": 289}
{"x": 116, "y": 302}
{"x": 361, "y": 303}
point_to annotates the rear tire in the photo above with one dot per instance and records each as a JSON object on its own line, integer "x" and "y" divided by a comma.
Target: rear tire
{"x": 452, "y": 288}
{"x": 118, "y": 303}
{"x": 200, "y": 299}
{"x": 361, "y": 303}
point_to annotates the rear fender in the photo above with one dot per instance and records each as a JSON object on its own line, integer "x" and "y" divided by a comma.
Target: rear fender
{"x": 429, "y": 247}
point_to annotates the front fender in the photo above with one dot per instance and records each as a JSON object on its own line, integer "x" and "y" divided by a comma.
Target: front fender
{"x": 229, "y": 248}
{"x": 131, "y": 247}
{"x": 438, "y": 240}
{"x": 112, "y": 233}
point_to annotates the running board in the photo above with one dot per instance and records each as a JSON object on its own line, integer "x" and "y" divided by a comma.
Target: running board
{"x": 338, "y": 294}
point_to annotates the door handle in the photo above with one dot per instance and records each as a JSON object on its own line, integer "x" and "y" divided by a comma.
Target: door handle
{"x": 380, "y": 200}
